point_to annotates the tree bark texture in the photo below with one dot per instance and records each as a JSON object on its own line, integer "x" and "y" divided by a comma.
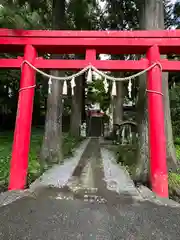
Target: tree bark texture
{"x": 76, "y": 109}
{"x": 152, "y": 18}
{"x": 51, "y": 151}
{"x": 118, "y": 104}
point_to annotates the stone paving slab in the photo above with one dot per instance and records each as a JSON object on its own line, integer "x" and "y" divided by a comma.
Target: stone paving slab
{"x": 116, "y": 176}
{"x": 11, "y": 196}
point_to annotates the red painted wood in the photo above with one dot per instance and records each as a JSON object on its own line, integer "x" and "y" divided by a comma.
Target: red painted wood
{"x": 79, "y": 45}
{"x": 104, "y": 65}
{"x": 88, "y": 42}
{"x": 20, "y": 151}
{"x": 170, "y": 66}
{"x": 90, "y": 56}
{"x": 10, "y": 63}
{"x": 92, "y": 34}
{"x": 157, "y": 139}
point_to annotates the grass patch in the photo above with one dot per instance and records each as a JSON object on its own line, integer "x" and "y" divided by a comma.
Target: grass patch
{"x": 174, "y": 186}
{"x": 178, "y": 152}
{"x": 174, "y": 178}
{"x": 177, "y": 146}
{"x": 126, "y": 156}
{"x": 34, "y": 169}
{"x": 69, "y": 144}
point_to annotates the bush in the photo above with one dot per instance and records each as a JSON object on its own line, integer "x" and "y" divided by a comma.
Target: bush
{"x": 126, "y": 155}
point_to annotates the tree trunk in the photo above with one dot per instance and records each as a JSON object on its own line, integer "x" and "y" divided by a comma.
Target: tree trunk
{"x": 152, "y": 18}
{"x": 76, "y": 109}
{"x": 171, "y": 152}
{"x": 154, "y": 22}
{"x": 142, "y": 164}
{"x": 83, "y": 111}
{"x": 51, "y": 151}
{"x": 118, "y": 104}
{"x": 142, "y": 167}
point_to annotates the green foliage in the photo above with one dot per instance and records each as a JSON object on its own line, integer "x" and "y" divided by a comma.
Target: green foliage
{"x": 97, "y": 93}
{"x": 169, "y": 18}
{"x": 176, "y": 13}
{"x": 126, "y": 155}
{"x": 23, "y": 18}
{"x": 174, "y": 184}
{"x": 69, "y": 143}
{"x": 26, "y": 14}
{"x": 178, "y": 151}
{"x": 34, "y": 169}
{"x": 83, "y": 14}
{"x": 121, "y": 15}
{"x": 5, "y": 155}
{"x": 175, "y": 108}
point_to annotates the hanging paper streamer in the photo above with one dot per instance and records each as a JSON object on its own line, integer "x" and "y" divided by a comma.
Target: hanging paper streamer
{"x": 114, "y": 93}
{"x": 105, "y": 85}
{"x": 65, "y": 88}
{"x": 108, "y": 112}
{"x": 123, "y": 135}
{"x": 49, "y": 84}
{"x": 73, "y": 84}
{"x": 130, "y": 88}
{"x": 89, "y": 76}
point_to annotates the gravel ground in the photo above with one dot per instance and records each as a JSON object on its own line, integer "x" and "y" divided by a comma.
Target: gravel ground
{"x": 86, "y": 209}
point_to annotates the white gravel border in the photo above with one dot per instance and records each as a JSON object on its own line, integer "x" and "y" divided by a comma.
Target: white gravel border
{"x": 116, "y": 176}
{"x": 118, "y": 179}
{"x": 58, "y": 175}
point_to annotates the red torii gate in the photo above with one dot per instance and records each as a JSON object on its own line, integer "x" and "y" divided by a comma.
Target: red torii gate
{"x": 151, "y": 43}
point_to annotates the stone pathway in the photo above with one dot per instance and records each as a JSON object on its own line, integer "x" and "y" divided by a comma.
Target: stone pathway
{"x": 58, "y": 175}
{"x": 96, "y": 201}
{"x": 116, "y": 177}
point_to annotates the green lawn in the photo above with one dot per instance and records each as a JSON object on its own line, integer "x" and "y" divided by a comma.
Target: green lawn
{"x": 34, "y": 169}
{"x": 174, "y": 178}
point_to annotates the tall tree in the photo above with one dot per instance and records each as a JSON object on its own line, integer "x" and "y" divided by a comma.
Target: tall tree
{"x": 84, "y": 16}
{"x": 76, "y": 107}
{"x": 52, "y": 144}
{"x": 152, "y": 18}
{"x": 119, "y": 15}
